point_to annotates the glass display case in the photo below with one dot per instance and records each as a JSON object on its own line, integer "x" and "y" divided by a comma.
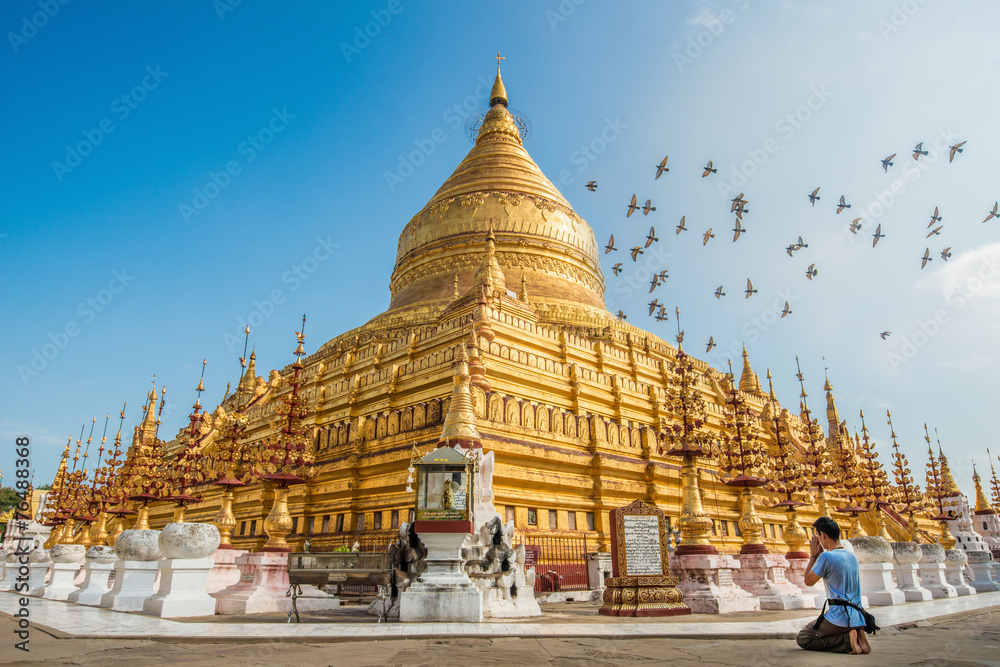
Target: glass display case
{"x": 444, "y": 486}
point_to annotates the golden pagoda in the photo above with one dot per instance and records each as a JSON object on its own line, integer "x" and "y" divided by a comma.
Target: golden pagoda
{"x": 569, "y": 398}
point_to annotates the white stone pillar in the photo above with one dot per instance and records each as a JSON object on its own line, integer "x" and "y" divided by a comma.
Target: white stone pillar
{"x": 135, "y": 572}
{"x": 444, "y": 592}
{"x": 97, "y": 573}
{"x": 67, "y": 559}
{"x": 187, "y": 549}
{"x": 265, "y": 591}
{"x": 39, "y": 565}
{"x": 983, "y": 578}
{"x": 706, "y": 581}
{"x": 932, "y": 574}
{"x": 905, "y": 559}
{"x": 763, "y": 575}
{"x": 796, "y": 574}
{"x": 955, "y": 561}
{"x": 224, "y": 572}
{"x": 10, "y": 573}
{"x": 875, "y": 563}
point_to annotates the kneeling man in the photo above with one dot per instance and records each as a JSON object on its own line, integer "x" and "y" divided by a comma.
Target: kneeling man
{"x": 841, "y": 629}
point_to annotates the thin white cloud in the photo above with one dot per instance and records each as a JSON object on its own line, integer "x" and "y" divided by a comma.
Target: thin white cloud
{"x": 973, "y": 276}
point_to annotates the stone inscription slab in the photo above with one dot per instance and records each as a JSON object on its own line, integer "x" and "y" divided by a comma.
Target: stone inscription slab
{"x": 642, "y": 545}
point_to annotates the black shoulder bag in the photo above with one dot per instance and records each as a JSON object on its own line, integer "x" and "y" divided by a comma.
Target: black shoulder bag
{"x": 870, "y": 627}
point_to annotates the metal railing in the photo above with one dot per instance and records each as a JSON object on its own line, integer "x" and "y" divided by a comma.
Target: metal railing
{"x": 560, "y": 562}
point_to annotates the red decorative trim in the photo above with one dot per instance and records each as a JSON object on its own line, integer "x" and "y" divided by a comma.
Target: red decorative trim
{"x": 796, "y": 555}
{"x": 279, "y": 550}
{"x": 701, "y": 549}
{"x": 753, "y": 549}
{"x": 442, "y": 527}
{"x": 225, "y": 546}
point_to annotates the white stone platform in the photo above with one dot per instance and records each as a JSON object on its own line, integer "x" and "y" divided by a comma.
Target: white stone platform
{"x": 70, "y": 620}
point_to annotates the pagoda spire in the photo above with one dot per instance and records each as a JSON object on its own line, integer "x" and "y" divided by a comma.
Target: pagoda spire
{"x": 460, "y": 423}
{"x": 749, "y": 382}
{"x": 490, "y": 275}
{"x": 498, "y": 95}
{"x": 948, "y": 486}
{"x": 982, "y": 504}
{"x": 832, "y": 415}
{"x": 147, "y": 429}
{"x": 994, "y": 482}
{"x": 248, "y": 383}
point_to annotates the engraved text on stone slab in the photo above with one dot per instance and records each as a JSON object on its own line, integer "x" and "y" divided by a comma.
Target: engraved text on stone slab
{"x": 642, "y": 545}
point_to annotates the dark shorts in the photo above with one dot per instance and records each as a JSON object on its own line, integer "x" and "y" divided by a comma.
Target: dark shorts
{"x": 828, "y": 637}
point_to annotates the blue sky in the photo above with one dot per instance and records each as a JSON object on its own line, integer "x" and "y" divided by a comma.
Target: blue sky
{"x": 174, "y": 170}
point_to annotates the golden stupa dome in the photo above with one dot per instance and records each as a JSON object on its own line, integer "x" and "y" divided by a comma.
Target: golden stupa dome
{"x": 498, "y": 188}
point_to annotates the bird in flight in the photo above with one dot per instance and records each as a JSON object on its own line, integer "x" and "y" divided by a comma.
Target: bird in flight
{"x": 935, "y": 232}
{"x": 737, "y": 230}
{"x": 787, "y": 311}
{"x": 887, "y": 162}
{"x": 749, "y": 290}
{"x": 611, "y": 245}
{"x": 790, "y": 249}
{"x": 811, "y": 272}
{"x": 632, "y": 207}
{"x": 653, "y": 305}
{"x": 737, "y": 202}
{"x": 877, "y": 235}
{"x": 885, "y": 334}
{"x": 955, "y": 150}
{"x": 855, "y": 225}
{"x": 814, "y": 196}
{"x": 926, "y": 258}
{"x": 711, "y": 344}
{"x": 946, "y": 253}
{"x": 662, "y": 315}
{"x": 664, "y": 274}
{"x": 934, "y": 218}
{"x": 800, "y": 244}
{"x": 636, "y": 251}
{"x": 680, "y": 225}
{"x": 707, "y": 236}
{"x": 709, "y": 169}
{"x": 918, "y": 150}
{"x": 719, "y": 293}
{"x": 662, "y": 167}
{"x": 622, "y": 315}
{"x": 651, "y": 237}
{"x": 648, "y": 208}
{"x": 617, "y": 268}
{"x": 993, "y": 213}
{"x": 654, "y": 283}
{"x": 842, "y": 205}
{"x": 592, "y": 185}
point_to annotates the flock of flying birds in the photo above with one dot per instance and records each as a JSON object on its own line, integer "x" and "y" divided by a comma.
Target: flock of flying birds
{"x": 740, "y": 208}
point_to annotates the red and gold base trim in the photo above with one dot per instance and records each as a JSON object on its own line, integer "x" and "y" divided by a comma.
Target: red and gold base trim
{"x": 643, "y": 596}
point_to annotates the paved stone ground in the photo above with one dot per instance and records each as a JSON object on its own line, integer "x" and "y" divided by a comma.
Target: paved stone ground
{"x": 960, "y": 640}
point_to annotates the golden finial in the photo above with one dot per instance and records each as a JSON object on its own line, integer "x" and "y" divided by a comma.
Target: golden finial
{"x": 498, "y": 95}
{"x": 460, "y": 423}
